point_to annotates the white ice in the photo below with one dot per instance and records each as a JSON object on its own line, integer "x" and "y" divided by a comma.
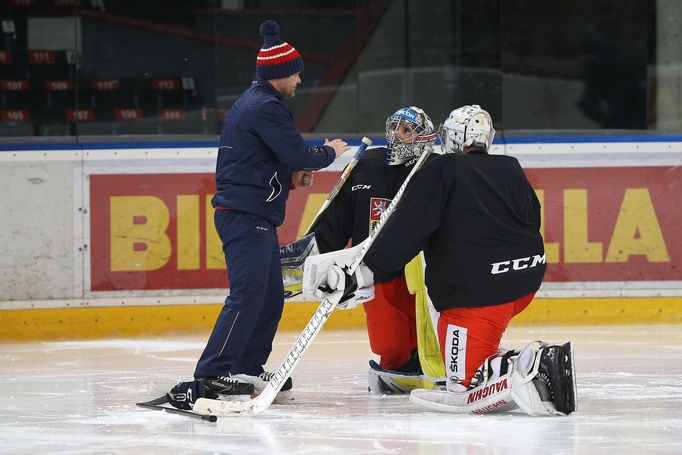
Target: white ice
{"x": 79, "y": 397}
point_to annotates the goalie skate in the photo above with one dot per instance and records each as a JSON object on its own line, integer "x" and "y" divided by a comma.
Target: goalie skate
{"x": 555, "y": 381}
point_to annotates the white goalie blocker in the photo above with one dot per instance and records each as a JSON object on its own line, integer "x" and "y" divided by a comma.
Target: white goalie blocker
{"x": 539, "y": 380}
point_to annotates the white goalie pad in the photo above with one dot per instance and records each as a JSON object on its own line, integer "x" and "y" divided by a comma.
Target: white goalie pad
{"x": 316, "y": 267}
{"x": 396, "y": 382}
{"x": 507, "y": 382}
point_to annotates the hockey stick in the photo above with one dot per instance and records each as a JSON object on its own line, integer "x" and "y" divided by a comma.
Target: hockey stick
{"x": 206, "y": 406}
{"x": 366, "y": 142}
{"x": 292, "y": 269}
{"x": 157, "y": 404}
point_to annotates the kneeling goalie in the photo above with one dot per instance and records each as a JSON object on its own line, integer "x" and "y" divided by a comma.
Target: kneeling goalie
{"x": 477, "y": 219}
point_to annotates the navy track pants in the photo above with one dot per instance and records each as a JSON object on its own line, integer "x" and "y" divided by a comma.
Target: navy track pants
{"x": 241, "y": 340}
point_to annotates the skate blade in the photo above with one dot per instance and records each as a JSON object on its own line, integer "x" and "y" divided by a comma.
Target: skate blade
{"x": 573, "y": 380}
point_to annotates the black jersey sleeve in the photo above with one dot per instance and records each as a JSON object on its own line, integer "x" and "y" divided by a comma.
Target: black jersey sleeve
{"x": 408, "y": 230}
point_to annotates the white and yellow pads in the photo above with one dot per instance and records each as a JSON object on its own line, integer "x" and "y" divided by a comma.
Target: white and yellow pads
{"x": 395, "y": 382}
{"x": 539, "y": 380}
{"x": 292, "y": 258}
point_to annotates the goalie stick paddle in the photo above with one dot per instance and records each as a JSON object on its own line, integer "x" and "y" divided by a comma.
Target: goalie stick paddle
{"x": 366, "y": 142}
{"x": 263, "y": 401}
{"x": 157, "y": 403}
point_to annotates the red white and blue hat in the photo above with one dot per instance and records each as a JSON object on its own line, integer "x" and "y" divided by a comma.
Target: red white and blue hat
{"x": 276, "y": 59}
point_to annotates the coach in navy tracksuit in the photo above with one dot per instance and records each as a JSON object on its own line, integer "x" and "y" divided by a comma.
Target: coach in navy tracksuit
{"x": 261, "y": 157}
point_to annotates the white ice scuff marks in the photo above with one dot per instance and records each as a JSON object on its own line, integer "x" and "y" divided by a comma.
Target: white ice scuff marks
{"x": 80, "y": 400}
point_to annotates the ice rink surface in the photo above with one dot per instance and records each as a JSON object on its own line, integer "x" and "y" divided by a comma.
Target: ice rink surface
{"x": 79, "y": 397}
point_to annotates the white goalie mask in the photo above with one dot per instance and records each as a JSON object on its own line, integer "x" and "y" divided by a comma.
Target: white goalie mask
{"x": 464, "y": 127}
{"x": 408, "y": 131}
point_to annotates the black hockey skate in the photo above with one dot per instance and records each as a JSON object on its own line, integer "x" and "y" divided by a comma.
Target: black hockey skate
{"x": 183, "y": 395}
{"x": 261, "y": 381}
{"x": 555, "y": 380}
{"x": 226, "y": 386}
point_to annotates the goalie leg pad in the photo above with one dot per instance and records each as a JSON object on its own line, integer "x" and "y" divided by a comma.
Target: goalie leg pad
{"x": 540, "y": 382}
{"x": 292, "y": 258}
{"x": 490, "y": 397}
{"x": 395, "y": 382}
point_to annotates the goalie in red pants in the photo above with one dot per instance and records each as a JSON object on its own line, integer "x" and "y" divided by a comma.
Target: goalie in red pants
{"x": 390, "y": 309}
{"x": 479, "y": 227}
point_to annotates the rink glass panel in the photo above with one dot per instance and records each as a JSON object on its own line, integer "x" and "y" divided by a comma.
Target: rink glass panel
{"x": 84, "y": 68}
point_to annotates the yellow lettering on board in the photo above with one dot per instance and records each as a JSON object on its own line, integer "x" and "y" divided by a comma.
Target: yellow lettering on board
{"x": 312, "y": 205}
{"x": 637, "y": 230}
{"x": 577, "y": 248}
{"x": 188, "y": 232}
{"x": 551, "y": 248}
{"x": 215, "y": 259}
{"x": 138, "y": 233}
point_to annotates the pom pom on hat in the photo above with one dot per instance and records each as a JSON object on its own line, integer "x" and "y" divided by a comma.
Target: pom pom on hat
{"x": 269, "y": 28}
{"x": 277, "y": 59}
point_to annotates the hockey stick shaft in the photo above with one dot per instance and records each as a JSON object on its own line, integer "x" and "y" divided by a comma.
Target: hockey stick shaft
{"x": 305, "y": 339}
{"x": 366, "y": 142}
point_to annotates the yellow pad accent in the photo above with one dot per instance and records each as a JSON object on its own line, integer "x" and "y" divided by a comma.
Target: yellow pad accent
{"x": 427, "y": 343}
{"x": 290, "y": 275}
{"x": 420, "y": 383}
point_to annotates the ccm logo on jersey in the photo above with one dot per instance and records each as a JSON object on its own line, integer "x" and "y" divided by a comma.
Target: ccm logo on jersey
{"x": 517, "y": 264}
{"x": 360, "y": 187}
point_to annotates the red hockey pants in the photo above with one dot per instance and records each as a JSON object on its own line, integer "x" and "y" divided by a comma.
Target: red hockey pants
{"x": 474, "y": 334}
{"x": 391, "y": 323}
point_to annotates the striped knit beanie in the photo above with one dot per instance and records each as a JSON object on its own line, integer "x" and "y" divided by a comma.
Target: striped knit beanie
{"x": 276, "y": 59}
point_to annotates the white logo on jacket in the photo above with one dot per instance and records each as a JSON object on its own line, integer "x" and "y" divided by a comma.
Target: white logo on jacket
{"x": 360, "y": 187}
{"x": 276, "y": 187}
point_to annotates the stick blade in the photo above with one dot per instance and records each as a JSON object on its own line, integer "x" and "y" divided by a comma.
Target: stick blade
{"x": 207, "y": 406}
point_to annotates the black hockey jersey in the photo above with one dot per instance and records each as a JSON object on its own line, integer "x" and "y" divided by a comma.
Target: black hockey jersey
{"x": 477, "y": 219}
{"x": 358, "y": 206}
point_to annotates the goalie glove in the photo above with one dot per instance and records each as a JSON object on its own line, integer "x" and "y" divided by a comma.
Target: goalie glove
{"x": 357, "y": 288}
{"x": 317, "y": 266}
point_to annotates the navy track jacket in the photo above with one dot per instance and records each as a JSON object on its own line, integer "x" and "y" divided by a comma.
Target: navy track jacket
{"x": 259, "y": 149}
